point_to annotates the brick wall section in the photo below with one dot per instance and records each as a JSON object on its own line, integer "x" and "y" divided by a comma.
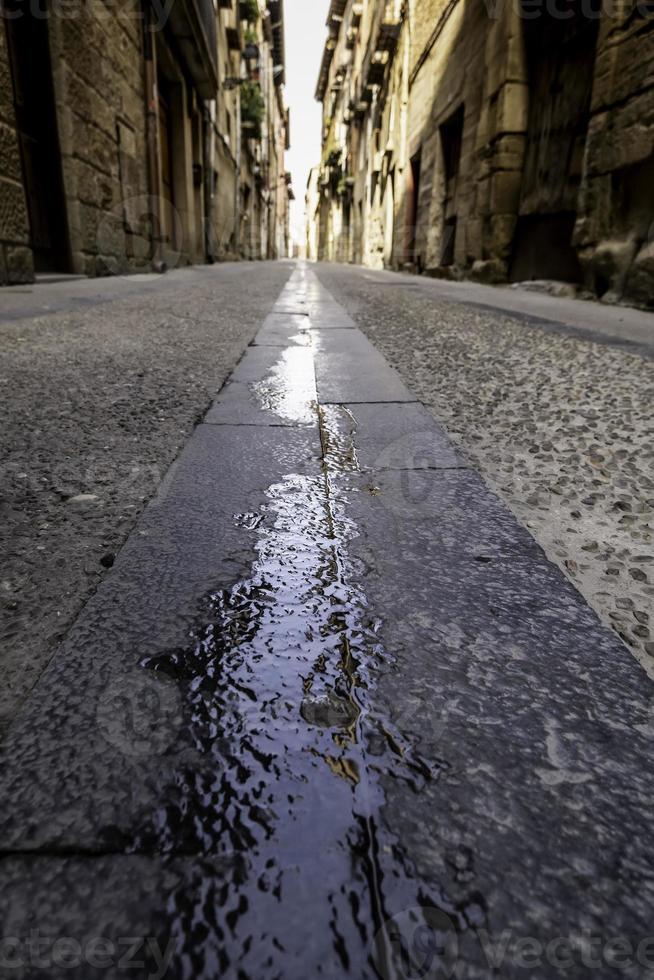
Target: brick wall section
{"x": 15, "y": 255}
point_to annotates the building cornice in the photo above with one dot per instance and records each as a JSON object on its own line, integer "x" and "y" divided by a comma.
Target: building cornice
{"x": 334, "y": 22}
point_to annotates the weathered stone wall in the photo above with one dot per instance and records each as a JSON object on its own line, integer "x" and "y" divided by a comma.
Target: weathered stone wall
{"x": 446, "y": 81}
{"x": 615, "y": 225}
{"x": 476, "y": 65}
{"x": 545, "y": 168}
{"x": 224, "y": 212}
{"x": 98, "y": 81}
{"x": 15, "y": 255}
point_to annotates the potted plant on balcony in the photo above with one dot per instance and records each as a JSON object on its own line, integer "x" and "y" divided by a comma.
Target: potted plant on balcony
{"x": 252, "y": 109}
{"x": 251, "y": 49}
{"x": 249, "y": 11}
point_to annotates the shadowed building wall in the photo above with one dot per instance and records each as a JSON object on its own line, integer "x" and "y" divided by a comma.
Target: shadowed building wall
{"x": 121, "y": 145}
{"x": 498, "y": 139}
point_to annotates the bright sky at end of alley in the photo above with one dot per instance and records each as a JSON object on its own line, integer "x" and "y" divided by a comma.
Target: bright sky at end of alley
{"x": 305, "y": 38}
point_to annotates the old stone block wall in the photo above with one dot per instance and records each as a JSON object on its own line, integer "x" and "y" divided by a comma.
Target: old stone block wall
{"x": 447, "y": 81}
{"x": 224, "y": 212}
{"x": 225, "y": 121}
{"x": 614, "y": 232}
{"x": 546, "y": 117}
{"x": 148, "y": 143}
{"x": 98, "y": 82}
{"x": 15, "y": 255}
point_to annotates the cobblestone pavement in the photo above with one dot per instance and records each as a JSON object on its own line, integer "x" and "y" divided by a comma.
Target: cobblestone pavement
{"x": 98, "y": 394}
{"x": 561, "y": 428}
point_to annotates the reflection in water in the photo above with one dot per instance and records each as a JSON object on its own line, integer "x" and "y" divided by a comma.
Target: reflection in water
{"x": 290, "y": 389}
{"x": 280, "y": 796}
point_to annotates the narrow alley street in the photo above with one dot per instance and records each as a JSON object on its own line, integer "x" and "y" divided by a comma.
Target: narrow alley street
{"x": 326, "y": 632}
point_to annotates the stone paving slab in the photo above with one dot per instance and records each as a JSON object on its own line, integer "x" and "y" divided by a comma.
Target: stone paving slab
{"x": 258, "y": 362}
{"x": 317, "y": 303}
{"x": 239, "y": 404}
{"x": 331, "y": 321}
{"x": 75, "y": 781}
{"x": 397, "y": 436}
{"x": 536, "y": 718}
{"x": 322, "y": 316}
{"x": 350, "y": 370}
{"x": 282, "y": 329}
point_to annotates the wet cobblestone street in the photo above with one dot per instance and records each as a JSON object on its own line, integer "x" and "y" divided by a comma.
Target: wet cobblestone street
{"x": 332, "y": 711}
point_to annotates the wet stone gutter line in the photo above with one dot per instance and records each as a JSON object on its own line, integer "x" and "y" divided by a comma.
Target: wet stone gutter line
{"x": 557, "y": 421}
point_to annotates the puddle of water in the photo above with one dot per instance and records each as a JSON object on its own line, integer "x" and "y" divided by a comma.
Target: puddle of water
{"x": 290, "y": 389}
{"x": 282, "y": 791}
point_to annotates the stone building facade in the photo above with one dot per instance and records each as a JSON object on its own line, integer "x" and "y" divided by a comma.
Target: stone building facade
{"x": 502, "y": 139}
{"x": 121, "y": 141}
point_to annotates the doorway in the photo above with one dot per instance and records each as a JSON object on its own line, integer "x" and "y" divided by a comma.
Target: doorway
{"x": 36, "y": 125}
{"x": 560, "y": 54}
{"x": 413, "y": 198}
{"x": 451, "y": 134}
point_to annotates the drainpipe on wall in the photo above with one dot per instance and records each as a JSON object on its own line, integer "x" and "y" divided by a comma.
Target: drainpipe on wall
{"x": 151, "y": 144}
{"x": 237, "y": 184}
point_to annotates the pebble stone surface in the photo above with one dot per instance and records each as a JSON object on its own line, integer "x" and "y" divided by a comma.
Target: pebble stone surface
{"x": 97, "y": 398}
{"x": 561, "y": 428}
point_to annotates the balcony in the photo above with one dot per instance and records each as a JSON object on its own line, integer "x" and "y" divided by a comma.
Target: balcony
{"x": 193, "y": 24}
{"x": 376, "y": 68}
{"x": 248, "y": 10}
{"x": 384, "y": 36}
{"x": 276, "y": 10}
{"x": 389, "y": 34}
